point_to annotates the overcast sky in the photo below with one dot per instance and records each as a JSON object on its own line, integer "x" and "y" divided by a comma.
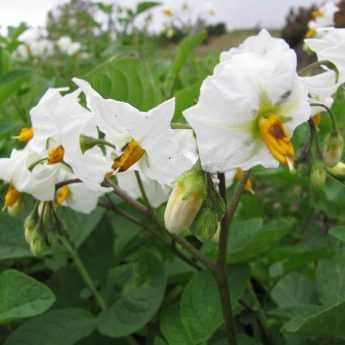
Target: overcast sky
{"x": 236, "y": 13}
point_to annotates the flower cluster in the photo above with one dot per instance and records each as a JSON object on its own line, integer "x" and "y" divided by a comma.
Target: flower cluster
{"x": 35, "y": 43}
{"x": 246, "y": 115}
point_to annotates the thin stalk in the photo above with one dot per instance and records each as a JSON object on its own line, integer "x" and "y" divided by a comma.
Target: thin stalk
{"x": 316, "y": 138}
{"x": 220, "y": 273}
{"x": 143, "y": 191}
{"x": 73, "y": 252}
{"x": 111, "y": 207}
{"x": 329, "y": 112}
{"x": 180, "y": 125}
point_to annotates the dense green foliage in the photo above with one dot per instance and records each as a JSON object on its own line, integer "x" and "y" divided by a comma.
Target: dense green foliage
{"x": 286, "y": 247}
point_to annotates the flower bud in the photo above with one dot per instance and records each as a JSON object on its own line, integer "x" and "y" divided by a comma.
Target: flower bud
{"x": 185, "y": 200}
{"x": 338, "y": 170}
{"x": 30, "y": 224}
{"x": 333, "y": 149}
{"x": 38, "y": 243}
{"x": 318, "y": 175}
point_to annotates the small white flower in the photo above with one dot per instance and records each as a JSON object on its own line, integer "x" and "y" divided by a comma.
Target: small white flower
{"x": 330, "y": 46}
{"x": 67, "y": 46}
{"x": 324, "y": 17}
{"x": 156, "y": 193}
{"x": 58, "y": 121}
{"x": 144, "y": 141}
{"x": 249, "y": 108}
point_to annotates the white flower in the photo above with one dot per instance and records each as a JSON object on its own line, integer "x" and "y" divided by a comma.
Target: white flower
{"x": 77, "y": 195}
{"x": 67, "y": 46}
{"x": 322, "y": 18}
{"x": 15, "y": 171}
{"x": 321, "y": 88}
{"x": 249, "y": 108}
{"x": 156, "y": 193}
{"x": 58, "y": 121}
{"x": 21, "y": 53}
{"x": 144, "y": 141}
{"x": 330, "y": 45}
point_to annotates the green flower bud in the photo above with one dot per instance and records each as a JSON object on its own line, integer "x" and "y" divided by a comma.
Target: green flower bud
{"x": 333, "y": 149}
{"x": 338, "y": 170}
{"x": 30, "y": 224}
{"x": 206, "y": 224}
{"x": 38, "y": 243}
{"x": 318, "y": 175}
{"x": 185, "y": 200}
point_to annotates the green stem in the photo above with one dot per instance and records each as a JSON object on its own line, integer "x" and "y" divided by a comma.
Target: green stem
{"x": 221, "y": 274}
{"x": 180, "y": 125}
{"x": 329, "y": 112}
{"x": 73, "y": 252}
{"x": 143, "y": 192}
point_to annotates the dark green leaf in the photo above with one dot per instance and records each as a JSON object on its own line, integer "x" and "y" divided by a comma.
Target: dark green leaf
{"x": 22, "y": 297}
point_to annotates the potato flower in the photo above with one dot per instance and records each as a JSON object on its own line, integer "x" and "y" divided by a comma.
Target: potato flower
{"x": 142, "y": 141}
{"x": 250, "y": 106}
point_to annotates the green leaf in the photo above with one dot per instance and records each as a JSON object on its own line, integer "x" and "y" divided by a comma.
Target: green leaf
{"x": 60, "y": 327}
{"x": 173, "y": 329}
{"x": 324, "y": 322}
{"x": 184, "y": 51}
{"x": 78, "y": 225}
{"x": 11, "y": 82}
{"x": 12, "y": 242}
{"x": 141, "y": 294}
{"x": 201, "y": 312}
{"x": 22, "y": 297}
{"x": 293, "y": 289}
{"x": 338, "y": 232}
{"x": 331, "y": 279}
{"x": 128, "y": 80}
{"x": 185, "y": 98}
{"x": 251, "y": 238}
{"x": 145, "y": 6}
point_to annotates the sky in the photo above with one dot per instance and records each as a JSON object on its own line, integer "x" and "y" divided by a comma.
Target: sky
{"x": 236, "y": 13}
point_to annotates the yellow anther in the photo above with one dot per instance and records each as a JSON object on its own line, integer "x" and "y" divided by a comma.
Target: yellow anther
{"x": 62, "y": 194}
{"x": 276, "y": 138}
{"x": 25, "y": 135}
{"x": 56, "y": 154}
{"x": 12, "y": 196}
{"x": 318, "y": 13}
{"x": 131, "y": 153}
{"x": 310, "y": 33}
{"x": 249, "y": 185}
{"x": 167, "y": 12}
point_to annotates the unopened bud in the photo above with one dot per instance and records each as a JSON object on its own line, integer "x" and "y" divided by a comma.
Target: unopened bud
{"x": 30, "y": 224}
{"x": 333, "y": 149}
{"x": 338, "y": 170}
{"x": 206, "y": 224}
{"x": 38, "y": 243}
{"x": 318, "y": 175}
{"x": 185, "y": 200}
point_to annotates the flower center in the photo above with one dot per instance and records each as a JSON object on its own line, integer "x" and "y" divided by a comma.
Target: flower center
{"x": 56, "y": 154}
{"x": 62, "y": 194}
{"x": 167, "y": 12}
{"x": 131, "y": 153}
{"x": 318, "y": 13}
{"x": 310, "y": 33}
{"x": 12, "y": 196}
{"x": 25, "y": 135}
{"x": 277, "y": 139}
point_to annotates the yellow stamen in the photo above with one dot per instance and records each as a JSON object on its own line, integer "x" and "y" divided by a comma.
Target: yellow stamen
{"x": 310, "y": 33}
{"x": 249, "y": 184}
{"x": 25, "y": 135}
{"x": 167, "y": 12}
{"x": 277, "y": 139}
{"x": 318, "y": 13}
{"x": 12, "y": 196}
{"x": 316, "y": 119}
{"x": 56, "y": 154}
{"x": 62, "y": 194}
{"x": 131, "y": 153}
